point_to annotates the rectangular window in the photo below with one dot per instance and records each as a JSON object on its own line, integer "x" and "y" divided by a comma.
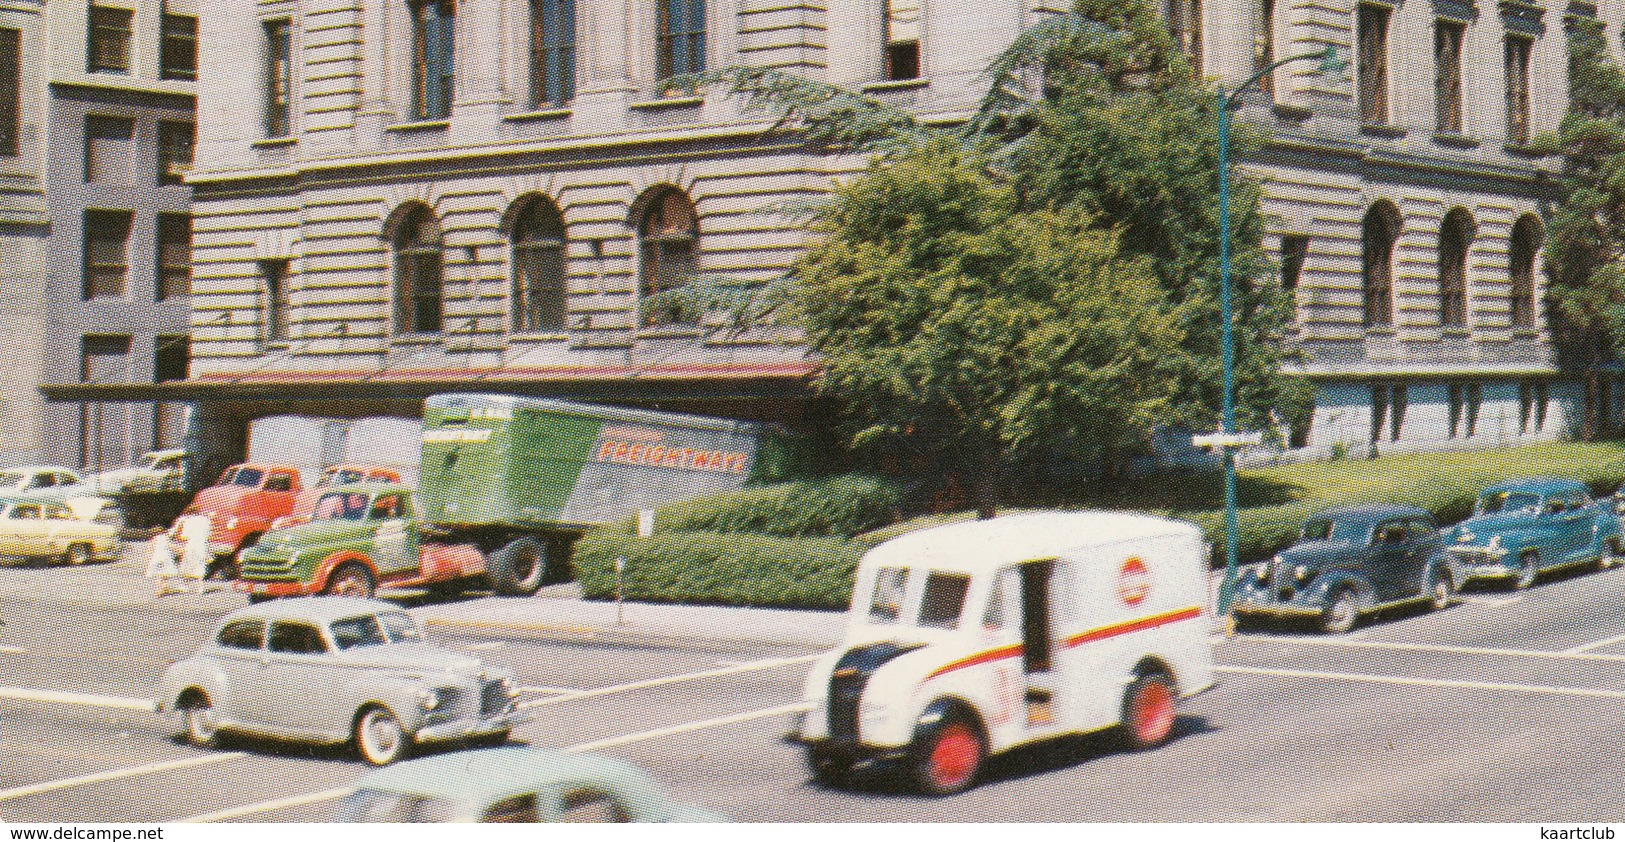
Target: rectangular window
{"x": 174, "y": 256}
{"x": 540, "y": 287}
{"x": 177, "y": 56}
{"x": 109, "y": 40}
{"x": 1373, "y": 57}
{"x": 1517, "y": 80}
{"x": 552, "y": 52}
{"x": 11, "y": 90}
{"x": 274, "y": 299}
{"x": 1294, "y": 251}
{"x": 902, "y": 39}
{"x": 682, "y": 38}
{"x": 175, "y": 143}
{"x": 1264, "y": 46}
{"x": 107, "y": 247}
{"x": 278, "y": 78}
{"x": 104, "y": 428}
{"x": 109, "y": 149}
{"x": 433, "y": 59}
{"x": 1447, "y": 38}
{"x": 171, "y": 357}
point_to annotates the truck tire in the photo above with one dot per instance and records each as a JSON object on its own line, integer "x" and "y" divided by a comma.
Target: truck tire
{"x": 518, "y": 568}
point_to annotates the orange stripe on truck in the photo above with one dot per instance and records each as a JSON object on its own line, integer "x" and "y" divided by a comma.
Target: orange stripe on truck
{"x": 1102, "y": 633}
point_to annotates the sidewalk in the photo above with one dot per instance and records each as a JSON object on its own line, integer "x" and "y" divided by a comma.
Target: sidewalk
{"x": 567, "y": 616}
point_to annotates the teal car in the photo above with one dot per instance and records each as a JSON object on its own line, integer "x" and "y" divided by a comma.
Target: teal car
{"x": 1523, "y": 528}
{"x": 514, "y": 784}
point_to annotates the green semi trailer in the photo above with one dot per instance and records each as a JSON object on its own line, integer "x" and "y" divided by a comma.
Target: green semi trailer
{"x": 505, "y": 487}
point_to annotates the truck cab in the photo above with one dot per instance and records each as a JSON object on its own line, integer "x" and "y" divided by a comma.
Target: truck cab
{"x": 245, "y": 500}
{"x": 336, "y": 475}
{"x": 974, "y": 638}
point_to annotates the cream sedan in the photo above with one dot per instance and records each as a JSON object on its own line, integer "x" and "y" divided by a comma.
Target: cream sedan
{"x": 43, "y": 529}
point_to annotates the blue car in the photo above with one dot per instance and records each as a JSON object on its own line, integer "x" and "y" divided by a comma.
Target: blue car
{"x": 1523, "y": 528}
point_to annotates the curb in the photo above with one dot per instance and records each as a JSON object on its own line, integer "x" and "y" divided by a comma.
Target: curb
{"x": 627, "y": 635}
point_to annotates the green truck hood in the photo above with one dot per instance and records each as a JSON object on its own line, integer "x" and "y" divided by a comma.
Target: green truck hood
{"x": 314, "y": 533}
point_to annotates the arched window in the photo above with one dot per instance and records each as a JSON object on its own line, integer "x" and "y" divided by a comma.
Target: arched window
{"x": 1185, "y": 24}
{"x": 1526, "y": 239}
{"x": 418, "y": 259}
{"x": 1455, "y": 236}
{"x": 433, "y": 58}
{"x": 1377, "y": 236}
{"x": 668, "y": 252}
{"x": 682, "y": 37}
{"x": 538, "y": 268}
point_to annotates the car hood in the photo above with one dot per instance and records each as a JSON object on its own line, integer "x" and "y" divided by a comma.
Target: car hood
{"x": 221, "y": 498}
{"x": 1484, "y": 526}
{"x": 1316, "y": 552}
{"x": 414, "y": 656}
{"x": 113, "y": 480}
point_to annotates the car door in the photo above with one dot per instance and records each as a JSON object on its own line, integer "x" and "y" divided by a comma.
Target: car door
{"x": 395, "y": 542}
{"x": 1567, "y": 527}
{"x": 1423, "y": 541}
{"x": 24, "y": 532}
{"x": 1390, "y": 546}
{"x": 60, "y": 527}
{"x": 239, "y": 651}
{"x": 299, "y": 681}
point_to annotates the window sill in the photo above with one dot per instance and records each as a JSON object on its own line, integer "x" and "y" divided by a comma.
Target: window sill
{"x": 671, "y": 102}
{"x": 1525, "y": 333}
{"x": 1381, "y": 331}
{"x": 279, "y": 345}
{"x": 1382, "y": 130}
{"x": 540, "y": 336}
{"x": 534, "y": 116}
{"x": 417, "y": 339}
{"x": 1454, "y": 141}
{"x": 1454, "y": 333}
{"x": 273, "y": 142}
{"x": 1524, "y": 150}
{"x": 420, "y": 126}
{"x": 896, "y": 85}
{"x": 1291, "y": 112}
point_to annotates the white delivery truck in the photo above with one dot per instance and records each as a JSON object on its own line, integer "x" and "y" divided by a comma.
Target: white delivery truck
{"x": 978, "y": 637}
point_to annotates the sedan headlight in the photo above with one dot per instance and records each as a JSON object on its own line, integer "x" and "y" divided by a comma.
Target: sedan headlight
{"x": 431, "y": 699}
{"x": 1301, "y": 572}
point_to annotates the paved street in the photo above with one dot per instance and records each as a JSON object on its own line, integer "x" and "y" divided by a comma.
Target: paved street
{"x": 1506, "y": 707}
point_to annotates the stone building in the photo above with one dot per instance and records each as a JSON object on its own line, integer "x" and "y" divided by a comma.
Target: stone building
{"x": 399, "y": 197}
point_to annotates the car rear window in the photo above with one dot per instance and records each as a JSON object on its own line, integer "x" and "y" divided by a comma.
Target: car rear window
{"x": 943, "y": 600}
{"x": 371, "y": 805}
{"x": 358, "y": 631}
{"x": 242, "y": 634}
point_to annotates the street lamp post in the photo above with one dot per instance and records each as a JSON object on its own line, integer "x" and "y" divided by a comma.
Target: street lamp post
{"x": 1229, "y": 440}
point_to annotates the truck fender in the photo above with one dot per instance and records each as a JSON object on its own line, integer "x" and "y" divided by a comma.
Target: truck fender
{"x": 943, "y": 709}
{"x": 323, "y": 570}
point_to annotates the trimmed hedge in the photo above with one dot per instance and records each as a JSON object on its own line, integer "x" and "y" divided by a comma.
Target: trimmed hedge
{"x": 843, "y": 505}
{"x": 760, "y": 548}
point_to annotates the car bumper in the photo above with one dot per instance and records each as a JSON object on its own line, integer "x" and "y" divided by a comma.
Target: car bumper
{"x": 275, "y": 588}
{"x": 1476, "y": 563}
{"x": 462, "y": 729}
{"x": 1260, "y": 603}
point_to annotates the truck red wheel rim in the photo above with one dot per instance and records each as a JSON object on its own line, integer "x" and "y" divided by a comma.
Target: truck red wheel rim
{"x": 955, "y": 756}
{"x": 1153, "y": 712}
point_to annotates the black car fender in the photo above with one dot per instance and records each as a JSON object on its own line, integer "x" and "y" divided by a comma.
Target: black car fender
{"x": 1332, "y": 582}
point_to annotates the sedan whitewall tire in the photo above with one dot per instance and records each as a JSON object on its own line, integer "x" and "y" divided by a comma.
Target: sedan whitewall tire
{"x": 379, "y": 736}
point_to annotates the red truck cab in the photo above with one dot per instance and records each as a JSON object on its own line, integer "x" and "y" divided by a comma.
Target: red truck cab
{"x": 244, "y": 501}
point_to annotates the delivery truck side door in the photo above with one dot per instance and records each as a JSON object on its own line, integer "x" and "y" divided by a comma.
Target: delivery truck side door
{"x": 1001, "y": 631}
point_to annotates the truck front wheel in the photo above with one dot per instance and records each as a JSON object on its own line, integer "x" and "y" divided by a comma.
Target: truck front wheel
{"x": 519, "y": 568}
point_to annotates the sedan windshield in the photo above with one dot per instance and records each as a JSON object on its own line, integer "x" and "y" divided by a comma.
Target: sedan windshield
{"x": 1318, "y": 530}
{"x": 372, "y": 805}
{"x": 341, "y": 505}
{"x": 1508, "y": 501}
{"x": 374, "y": 630}
{"x": 334, "y": 476}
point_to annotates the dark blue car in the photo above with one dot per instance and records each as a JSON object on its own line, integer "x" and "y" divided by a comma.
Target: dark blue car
{"x": 1348, "y": 562}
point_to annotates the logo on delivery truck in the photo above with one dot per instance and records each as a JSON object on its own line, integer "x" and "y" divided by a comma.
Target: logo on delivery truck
{"x": 647, "y": 447}
{"x": 1133, "y": 582}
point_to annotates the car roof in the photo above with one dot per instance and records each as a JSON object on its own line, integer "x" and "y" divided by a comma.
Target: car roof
{"x": 486, "y": 775}
{"x": 1538, "y": 485}
{"x": 984, "y": 545}
{"x": 317, "y": 609}
{"x": 1373, "y": 512}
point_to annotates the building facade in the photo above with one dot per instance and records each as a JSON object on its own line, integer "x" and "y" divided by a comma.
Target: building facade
{"x": 24, "y": 223}
{"x": 120, "y": 119}
{"x": 397, "y": 197}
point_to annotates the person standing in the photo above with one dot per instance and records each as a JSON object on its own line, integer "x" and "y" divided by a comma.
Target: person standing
{"x": 193, "y": 528}
{"x": 161, "y": 563}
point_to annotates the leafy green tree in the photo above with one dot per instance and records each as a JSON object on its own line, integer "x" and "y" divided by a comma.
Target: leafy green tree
{"x": 997, "y": 336}
{"x": 1093, "y": 119}
{"x": 1586, "y": 235}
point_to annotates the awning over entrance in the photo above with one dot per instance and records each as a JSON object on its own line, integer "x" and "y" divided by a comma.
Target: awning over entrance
{"x": 616, "y": 384}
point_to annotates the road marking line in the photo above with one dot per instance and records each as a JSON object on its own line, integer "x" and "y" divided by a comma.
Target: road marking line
{"x": 335, "y": 794}
{"x": 1539, "y": 689}
{"x": 1566, "y": 655}
{"x": 266, "y": 806}
{"x": 29, "y": 694}
{"x": 1595, "y": 644}
{"x": 552, "y": 691}
{"x": 116, "y": 774}
{"x": 751, "y": 666}
{"x": 1489, "y": 601}
{"x": 13, "y": 650}
{"x": 489, "y": 644}
{"x": 686, "y": 727}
